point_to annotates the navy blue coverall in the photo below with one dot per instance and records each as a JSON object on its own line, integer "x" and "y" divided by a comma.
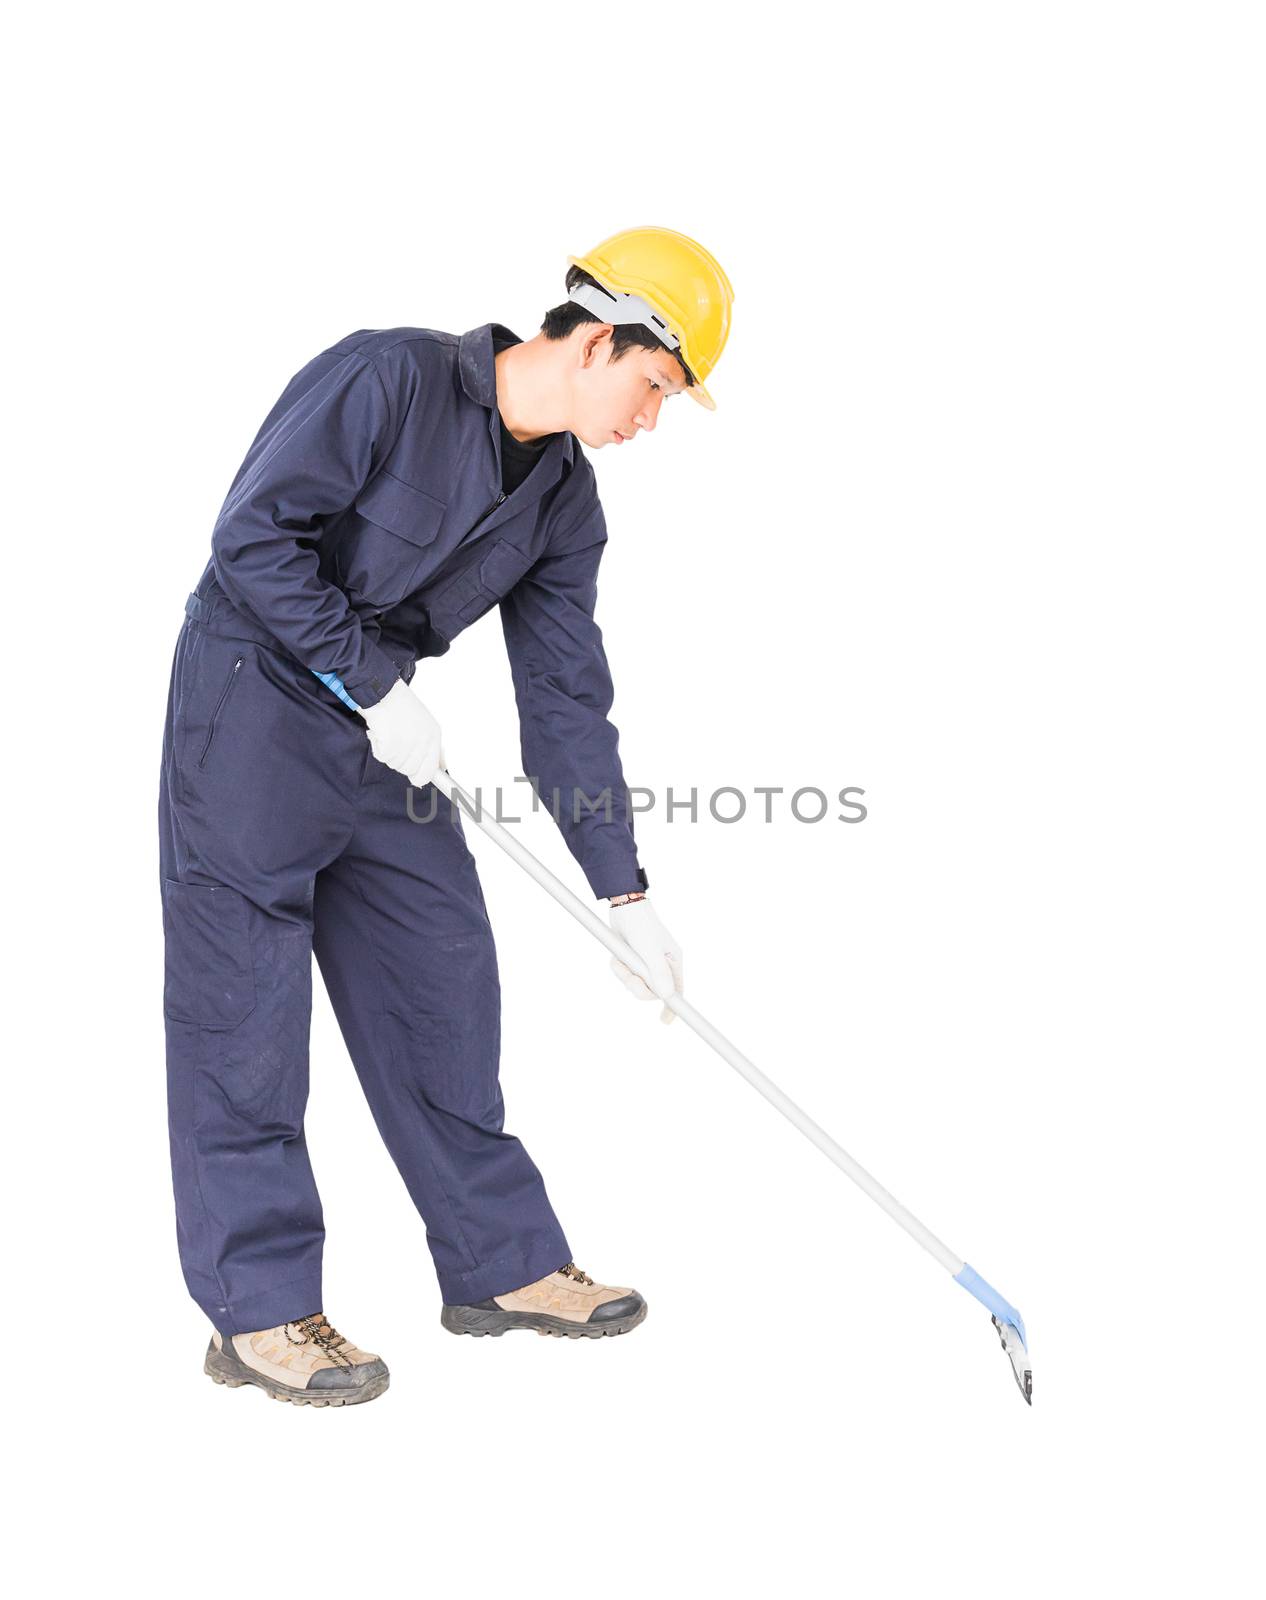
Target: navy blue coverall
{"x": 365, "y": 529}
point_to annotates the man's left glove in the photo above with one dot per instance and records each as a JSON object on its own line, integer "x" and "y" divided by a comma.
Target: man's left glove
{"x": 404, "y": 735}
{"x": 637, "y": 925}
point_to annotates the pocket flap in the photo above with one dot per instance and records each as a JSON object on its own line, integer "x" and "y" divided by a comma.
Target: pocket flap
{"x": 502, "y": 567}
{"x": 401, "y": 509}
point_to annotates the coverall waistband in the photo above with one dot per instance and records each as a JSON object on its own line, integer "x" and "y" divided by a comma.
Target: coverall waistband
{"x": 221, "y": 616}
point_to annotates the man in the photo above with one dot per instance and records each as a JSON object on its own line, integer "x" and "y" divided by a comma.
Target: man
{"x": 405, "y": 483}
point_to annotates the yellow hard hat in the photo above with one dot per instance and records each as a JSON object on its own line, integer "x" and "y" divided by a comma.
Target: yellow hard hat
{"x": 670, "y": 284}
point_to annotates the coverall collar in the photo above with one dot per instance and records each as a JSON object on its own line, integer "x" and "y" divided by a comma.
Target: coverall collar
{"x": 479, "y": 376}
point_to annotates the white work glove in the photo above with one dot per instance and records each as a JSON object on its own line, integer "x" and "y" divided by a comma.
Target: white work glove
{"x": 404, "y": 735}
{"x": 637, "y": 925}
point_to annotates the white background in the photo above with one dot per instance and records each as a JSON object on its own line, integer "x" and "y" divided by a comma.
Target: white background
{"x": 977, "y": 527}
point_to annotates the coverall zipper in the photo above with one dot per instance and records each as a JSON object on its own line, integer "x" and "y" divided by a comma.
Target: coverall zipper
{"x": 487, "y": 513}
{"x": 219, "y": 706}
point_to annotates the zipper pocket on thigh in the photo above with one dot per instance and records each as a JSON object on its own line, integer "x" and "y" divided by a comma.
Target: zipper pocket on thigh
{"x": 219, "y": 707}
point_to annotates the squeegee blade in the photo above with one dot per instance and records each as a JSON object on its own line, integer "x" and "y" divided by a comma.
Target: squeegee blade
{"x": 1018, "y": 1356}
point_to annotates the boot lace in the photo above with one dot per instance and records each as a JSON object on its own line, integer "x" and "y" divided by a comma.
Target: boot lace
{"x": 571, "y": 1270}
{"x": 322, "y": 1332}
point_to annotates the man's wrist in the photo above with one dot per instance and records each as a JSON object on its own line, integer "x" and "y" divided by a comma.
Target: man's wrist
{"x": 627, "y": 899}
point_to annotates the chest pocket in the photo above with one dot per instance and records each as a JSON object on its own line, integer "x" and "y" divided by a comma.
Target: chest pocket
{"x": 484, "y": 582}
{"x": 384, "y": 544}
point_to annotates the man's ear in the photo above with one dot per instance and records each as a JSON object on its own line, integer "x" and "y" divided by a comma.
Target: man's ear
{"x": 591, "y": 351}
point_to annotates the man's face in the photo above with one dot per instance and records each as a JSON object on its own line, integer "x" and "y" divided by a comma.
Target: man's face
{"x": 615, "y": 400}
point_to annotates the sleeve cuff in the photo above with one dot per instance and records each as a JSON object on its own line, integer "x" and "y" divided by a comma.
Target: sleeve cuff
{"x": 376, "y": 678}
{"x": 608, "y": 880}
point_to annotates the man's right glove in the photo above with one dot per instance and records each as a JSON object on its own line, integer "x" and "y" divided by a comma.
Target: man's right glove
{"x": 638, "y": 926}
{"x": 404, "y": 735}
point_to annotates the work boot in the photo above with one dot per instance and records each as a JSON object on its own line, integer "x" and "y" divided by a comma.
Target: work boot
{"x": 566, "y": 1303}
{"x": 306, "y": 1362}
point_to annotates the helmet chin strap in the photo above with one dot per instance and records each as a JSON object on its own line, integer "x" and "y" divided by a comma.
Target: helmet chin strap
{"x": 623, "y": 308}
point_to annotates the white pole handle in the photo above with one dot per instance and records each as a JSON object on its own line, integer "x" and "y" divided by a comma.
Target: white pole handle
{"x": 736, "y": 1059}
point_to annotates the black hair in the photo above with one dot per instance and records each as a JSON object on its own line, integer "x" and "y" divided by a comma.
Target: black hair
{"x": 625, "y": 336}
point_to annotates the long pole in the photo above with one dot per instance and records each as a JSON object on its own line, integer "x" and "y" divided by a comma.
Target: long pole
{"x": 724, "y": 1048}
{"x": 1006, "y": 1318}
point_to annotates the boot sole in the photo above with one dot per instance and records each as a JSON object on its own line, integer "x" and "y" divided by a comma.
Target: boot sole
{"x": 472, "y": 1320}
{"x": 233, "y": 1373}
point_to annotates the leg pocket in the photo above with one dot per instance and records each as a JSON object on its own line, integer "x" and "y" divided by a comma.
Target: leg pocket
{"x": 221, "y": 707}
{"x": 210, "y": 974}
